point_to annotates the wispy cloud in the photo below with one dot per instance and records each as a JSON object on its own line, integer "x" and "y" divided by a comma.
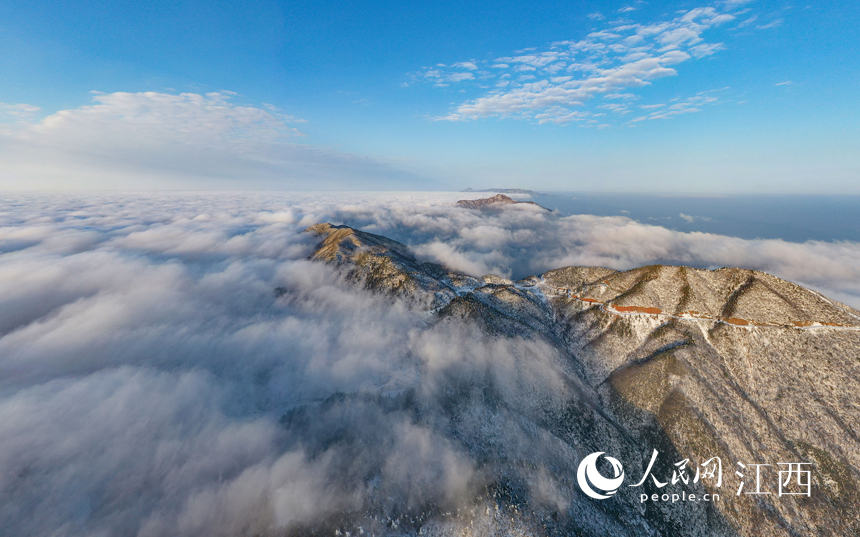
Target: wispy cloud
{"x": 691, "y": 218}
{"x": 158, "y": 140}
{"x": 616, "y": 59}
{"x": 17, "y": 110}
{"x": 444, "y": 79}
{"x": 678, "y": 107}
{"x": 772, "y": 24}
{"x": 748, "y": 21}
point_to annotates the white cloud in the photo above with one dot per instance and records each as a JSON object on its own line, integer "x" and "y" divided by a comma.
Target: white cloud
{"x": 560, "y": 115}
{"x": 615, "y": 107}
{"x": 685, "y": 106}
{"x": 441, "y": 78}
{"x": 691, "y": 219}
{"x": 613, "y": 60}
{"x": 705, "y": 49}
{"x": 772, "y": 24}
{"x": 17, "y": 110}
{"x": 748, "y": 21}
{"x": 624, "y": 96}
{"x": 146, "y": 140}
{"x": 457, "y": 77}
{"x": 466, "y": 65}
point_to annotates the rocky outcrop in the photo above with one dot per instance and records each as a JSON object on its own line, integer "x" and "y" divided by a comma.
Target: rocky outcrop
{"x": 387, "y": 266}
{"x": 729, "y": 363}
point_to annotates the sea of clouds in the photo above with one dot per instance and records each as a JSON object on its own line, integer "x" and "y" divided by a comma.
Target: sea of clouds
{"x": 152, "y": 383}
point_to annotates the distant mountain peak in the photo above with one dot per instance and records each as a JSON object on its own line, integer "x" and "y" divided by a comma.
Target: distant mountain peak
{"x": 499, "y": 200}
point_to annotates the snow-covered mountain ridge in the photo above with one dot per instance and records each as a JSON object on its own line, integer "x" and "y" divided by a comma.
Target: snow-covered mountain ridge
{"x": 728, "y": 363}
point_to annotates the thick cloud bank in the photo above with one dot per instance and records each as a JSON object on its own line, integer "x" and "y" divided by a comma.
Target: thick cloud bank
{"x": 152, "y": 384}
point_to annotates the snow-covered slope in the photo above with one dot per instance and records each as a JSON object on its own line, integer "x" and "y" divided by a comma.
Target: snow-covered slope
{"x": 727, "y": 363}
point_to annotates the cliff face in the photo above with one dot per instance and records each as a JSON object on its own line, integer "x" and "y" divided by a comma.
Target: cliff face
{"x": 727, "y": 363}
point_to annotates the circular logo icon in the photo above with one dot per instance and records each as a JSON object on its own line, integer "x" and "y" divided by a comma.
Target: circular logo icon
{"x": 593, "y": 483}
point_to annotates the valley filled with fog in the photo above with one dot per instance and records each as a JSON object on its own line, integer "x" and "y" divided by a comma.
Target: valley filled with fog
{"x": 153, "y": 383}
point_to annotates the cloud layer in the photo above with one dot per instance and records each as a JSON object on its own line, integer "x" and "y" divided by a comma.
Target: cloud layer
{"x": 152, "y": 384}
{"x": 158, "y": 140}
{"x": 522, "y": 241}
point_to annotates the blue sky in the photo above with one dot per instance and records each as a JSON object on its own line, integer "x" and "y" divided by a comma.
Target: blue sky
{"x": 682, "y": 97}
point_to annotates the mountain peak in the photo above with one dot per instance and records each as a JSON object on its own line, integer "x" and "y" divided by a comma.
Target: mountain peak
{"x": 696, "y": 364}
{"x": 735, "y": 296}
{"x": 499, "y": 200}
